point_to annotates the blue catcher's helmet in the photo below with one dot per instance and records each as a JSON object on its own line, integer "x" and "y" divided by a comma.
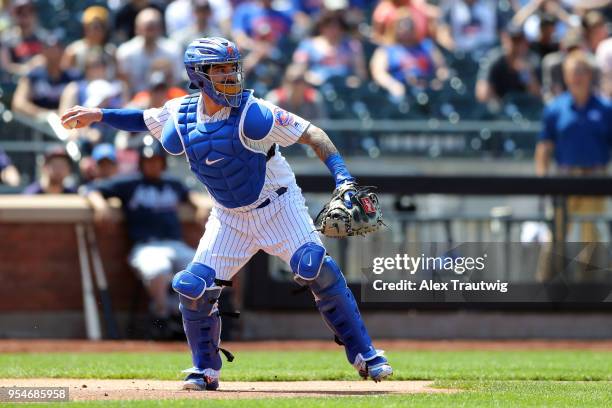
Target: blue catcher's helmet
{"x": 223, "y": 88}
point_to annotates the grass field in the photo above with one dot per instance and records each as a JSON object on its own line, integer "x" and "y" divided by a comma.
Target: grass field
{"x": 483, "y": 378}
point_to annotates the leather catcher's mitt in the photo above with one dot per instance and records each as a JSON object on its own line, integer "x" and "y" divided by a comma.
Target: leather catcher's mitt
{"x": 336, "y": 220}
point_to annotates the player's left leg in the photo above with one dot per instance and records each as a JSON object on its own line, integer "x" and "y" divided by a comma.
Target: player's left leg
{"x": 295, "y": 239}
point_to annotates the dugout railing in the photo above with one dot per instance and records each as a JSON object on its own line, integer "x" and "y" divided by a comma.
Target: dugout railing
{"x": 269, "y": 290}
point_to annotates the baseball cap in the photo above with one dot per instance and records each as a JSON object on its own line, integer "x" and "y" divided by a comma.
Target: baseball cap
{"x": 514, "y": 30}
{"x": 572, "y": 39}
{"x": 199, "y": 4}
{"x": 152, "y": 149}
{"x": 99, "y": 90}
{"x": 157, "y": 79}
{"x": 95, "y": 13}
{"x": 56, "y": 151}
{"x": 104, "y": 151}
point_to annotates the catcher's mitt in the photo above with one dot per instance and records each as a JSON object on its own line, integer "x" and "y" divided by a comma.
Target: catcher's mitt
{"x": 336, "y": 220}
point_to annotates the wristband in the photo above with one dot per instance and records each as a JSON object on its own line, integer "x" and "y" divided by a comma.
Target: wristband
{"x": 338, "y": 169}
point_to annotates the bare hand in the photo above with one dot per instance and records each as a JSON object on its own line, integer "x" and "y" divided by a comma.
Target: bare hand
{"x": 104, "y": 215}
{"x": 80, "y": 117}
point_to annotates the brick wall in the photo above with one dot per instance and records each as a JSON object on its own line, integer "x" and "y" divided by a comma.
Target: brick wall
{"x": 39, "y": 262}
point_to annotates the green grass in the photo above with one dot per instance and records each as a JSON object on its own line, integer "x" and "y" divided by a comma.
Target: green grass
{"x": 312, "y": 365}
{"x": 486, "y": 378}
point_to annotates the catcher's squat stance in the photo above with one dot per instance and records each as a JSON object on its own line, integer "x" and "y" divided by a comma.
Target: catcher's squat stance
{"x": 230, "y": 140}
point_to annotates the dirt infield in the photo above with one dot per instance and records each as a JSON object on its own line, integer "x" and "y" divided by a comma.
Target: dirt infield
{"x": 87, "y": 390}
{"x": 49, "y": 346}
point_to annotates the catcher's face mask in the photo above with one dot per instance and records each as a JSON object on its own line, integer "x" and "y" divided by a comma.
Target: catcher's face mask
{"x": 226, "y": 81}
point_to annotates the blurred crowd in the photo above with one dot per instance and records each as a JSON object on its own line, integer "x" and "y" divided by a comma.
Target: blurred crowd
{"x": 337, "y": 59}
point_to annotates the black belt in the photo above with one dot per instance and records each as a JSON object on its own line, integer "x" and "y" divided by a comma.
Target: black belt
{"x": 267, "y": 201}
{"x": 271, "y": 152}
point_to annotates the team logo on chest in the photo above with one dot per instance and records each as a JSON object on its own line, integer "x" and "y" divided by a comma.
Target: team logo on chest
{"x": 282, "y": 117}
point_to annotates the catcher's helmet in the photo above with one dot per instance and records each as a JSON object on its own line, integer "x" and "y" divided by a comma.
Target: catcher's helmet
{"x": 201, "y": 54}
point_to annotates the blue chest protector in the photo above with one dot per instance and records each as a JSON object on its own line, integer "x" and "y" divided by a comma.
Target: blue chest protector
{"x": 233, "y": 174}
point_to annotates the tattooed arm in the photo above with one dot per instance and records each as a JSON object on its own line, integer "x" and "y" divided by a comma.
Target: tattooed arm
{"x": 318, "y": 140}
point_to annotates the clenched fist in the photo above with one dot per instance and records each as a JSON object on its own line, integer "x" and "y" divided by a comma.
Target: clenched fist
{"x": 80, "y": 117}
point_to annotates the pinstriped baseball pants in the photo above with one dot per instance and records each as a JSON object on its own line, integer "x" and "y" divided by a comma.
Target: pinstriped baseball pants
{"x": 231, "y": 238}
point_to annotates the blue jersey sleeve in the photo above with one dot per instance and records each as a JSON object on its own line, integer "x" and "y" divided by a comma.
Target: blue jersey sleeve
{"x": 170, "y": 139}
{"x": 131, "y": 120}
{"x": 549, "y": 125}
{"x": 258, "y": 121}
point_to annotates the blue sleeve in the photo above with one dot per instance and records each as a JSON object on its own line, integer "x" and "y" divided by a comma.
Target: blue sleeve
{"x": 338, "y": 169}
{"x": 170, "y": 139}
{"x": 549, "y": 125}
{"x": 131, "y": 120}
{"x": 4, "y": 160}
{"x": 258, "y": 121}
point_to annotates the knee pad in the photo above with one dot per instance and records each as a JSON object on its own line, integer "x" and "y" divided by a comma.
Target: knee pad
{"x": 307, "y": 261}
{"x": 194, "y": 280}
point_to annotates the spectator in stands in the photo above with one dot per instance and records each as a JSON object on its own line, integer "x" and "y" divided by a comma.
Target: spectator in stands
{"x": 95, "y": 90}
{"x": 125, "y": 24}
{"x": 407, "y": 62}
{"x": 577, "y": 124}
{"x": 544, "y": 22}
{"x": 552, "y": 71}
{"x": 9, "y": 174}
{"x": 136, "y": 56}
{"x": 95, "y": 22}
{"x": 38, "y": 93}
{"x": 150, "y": 202}
{"x": 511, "y": 69}
{"x": 55, "y": 170}
{"x": 259, "y": 23}
{"x": 383, "y": 18}
{"x": 295, "y": 95}
{"x": 604, "y": 63}
{"x": 331, "y": 53}
{"x": 157, "y": 93}
{"x": 202, "y": 26}
{"x": 22, "y": 41}
{"x": 181, "y": 14}
{"x": 595, "y": 30}
{"x": 577, "y": 132}
{"x": 468, "y": 26}
{"x": 545, "y": 43}
{"x": 105, "y": 159}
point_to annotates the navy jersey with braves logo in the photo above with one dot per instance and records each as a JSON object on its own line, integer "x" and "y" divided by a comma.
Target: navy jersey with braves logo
{"x": 150, "y": 206}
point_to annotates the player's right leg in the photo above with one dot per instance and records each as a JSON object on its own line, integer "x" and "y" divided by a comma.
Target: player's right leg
{"x": 222, "y": 251}
{"x": 202, "y": 323}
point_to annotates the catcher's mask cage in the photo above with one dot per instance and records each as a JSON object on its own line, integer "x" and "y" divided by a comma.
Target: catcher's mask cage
{"x": 225, "y": 88}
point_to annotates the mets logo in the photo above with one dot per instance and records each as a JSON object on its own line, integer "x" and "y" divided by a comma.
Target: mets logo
{"x": 368, "y": 207}
{"x": 282, "y": 117}
{"x": 230, "y": 51}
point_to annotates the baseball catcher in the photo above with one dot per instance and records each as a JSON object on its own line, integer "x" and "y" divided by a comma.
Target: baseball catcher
{"x": 231, "y": 141}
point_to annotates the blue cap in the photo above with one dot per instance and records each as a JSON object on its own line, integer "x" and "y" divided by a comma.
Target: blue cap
{"x": 104, "y": 151}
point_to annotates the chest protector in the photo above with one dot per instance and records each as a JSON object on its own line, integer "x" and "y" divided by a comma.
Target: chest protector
{"x": 233, "y": 174}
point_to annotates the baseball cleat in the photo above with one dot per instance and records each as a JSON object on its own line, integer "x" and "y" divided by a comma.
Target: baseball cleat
{"x": 373, "y": 365}
{"x": 378, "y": 369}
{"x": 208, "y": 380}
